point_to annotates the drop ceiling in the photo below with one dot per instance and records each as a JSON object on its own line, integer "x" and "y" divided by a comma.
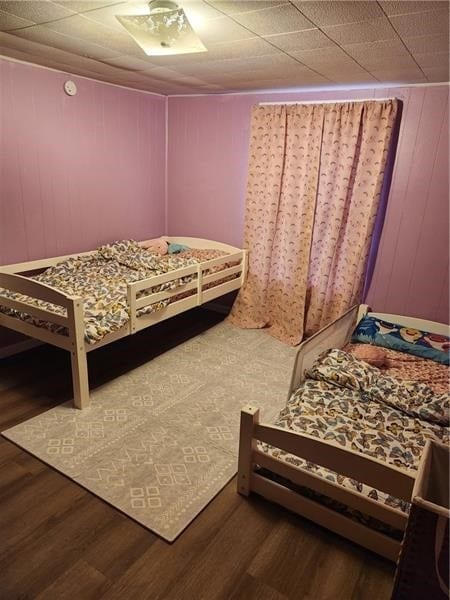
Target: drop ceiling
{"x": 252, "y": 45}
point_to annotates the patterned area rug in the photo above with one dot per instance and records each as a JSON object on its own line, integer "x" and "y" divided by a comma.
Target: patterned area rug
{"x": 161, "y": 441}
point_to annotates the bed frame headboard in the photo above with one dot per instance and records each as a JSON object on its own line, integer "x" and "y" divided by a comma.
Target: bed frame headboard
{"x": 338, "y": 333}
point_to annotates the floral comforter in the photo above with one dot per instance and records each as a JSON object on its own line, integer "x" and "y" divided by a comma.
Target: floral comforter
{"x": 101, "y": 280}
{"x": 354, "y": 405}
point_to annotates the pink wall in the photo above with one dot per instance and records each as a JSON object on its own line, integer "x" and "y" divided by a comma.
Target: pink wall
{"x": 207, "y": 164}
{"x": 76, "y": 171}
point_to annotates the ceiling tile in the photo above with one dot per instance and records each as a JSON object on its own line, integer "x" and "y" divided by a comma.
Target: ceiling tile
{"x": 243, "y": 50}
{"x": 266, "y": 83}
{"x": 82, "y": 28}
{"x": 330, "y": 12}
{"x": 280, "y": 62}
{"x": 36, "y": 59}
{"x": 400, "y": 75}
{"x": 417, "y": 24}
{"x": 428, "y": 43}
{"x": 433, "y": 59}
{"x": 38, "y": 11}
{"x": 280, "y": 19}
{"x": 436, "y": 74}
{"x": 332, "y": 57}
{"x": 351, "y": 77}
{"x": 381, "y": 54}
{"x": 8, "y": 22}
{"x": 296, "y": 73}
{"x": 42, "y": 35}
{"x": 55, "y": 54}
{"x": 310, "y": 39}
{"x": 223, "y": 30}
{"x": 365, "y": 31}
{"x": 80, "y": 6}
{"x": 199, "y": 10}
{"x": 84, "y": 62}
{"x": 107, "y": 15}
{"x": 296, "y": 78}
{"x": 130, "y": 62}
{"x": 161, "y": 74}
{"x": 372, "y": 62}
{"x": 231, "y": 7}
{"x": 402, "y": 7}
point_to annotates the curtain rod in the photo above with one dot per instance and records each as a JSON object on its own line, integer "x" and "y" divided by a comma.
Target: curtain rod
{"x": 326, "y": 101}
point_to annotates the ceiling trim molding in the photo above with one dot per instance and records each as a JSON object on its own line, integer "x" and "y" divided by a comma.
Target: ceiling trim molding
{"x": 124, "y": 87}
{"x": 307, "y": 90}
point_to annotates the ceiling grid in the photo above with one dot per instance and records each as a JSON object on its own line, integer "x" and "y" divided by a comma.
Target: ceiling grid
{"x": 252, "y": 44}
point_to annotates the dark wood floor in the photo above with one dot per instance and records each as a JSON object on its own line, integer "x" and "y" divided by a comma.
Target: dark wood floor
{"x": 59, "y": 541}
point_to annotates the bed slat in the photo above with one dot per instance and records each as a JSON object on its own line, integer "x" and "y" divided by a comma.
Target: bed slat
{"x": 164, "y": 313}
{"x": 221, "y": 289}
{"x": 34, "y": 311}
{"x": 217, "y": 275}
{"x": 385, "y": 478}
{"x": 150, "y": 282}
{"x": 35, "y": 289}
{"x": 157, "y": 296}
{"x": 352, "y": 498}
{"x": 221, "y": 260}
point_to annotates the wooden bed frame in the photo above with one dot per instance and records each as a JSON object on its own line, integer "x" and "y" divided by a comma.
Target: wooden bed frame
{"x": 13, "y": 278}
{"x": 395, "y": 481}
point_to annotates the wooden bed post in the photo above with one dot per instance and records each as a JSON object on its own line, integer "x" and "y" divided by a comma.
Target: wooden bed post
{"x": 78, "y": 357}
{"x": 249, "y": 418}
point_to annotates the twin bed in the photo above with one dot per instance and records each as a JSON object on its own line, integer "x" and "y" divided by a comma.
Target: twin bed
{"x": 345, "y": 450}
{"x": 84, "y": 301}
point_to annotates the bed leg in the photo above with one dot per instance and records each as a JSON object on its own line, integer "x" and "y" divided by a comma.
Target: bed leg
{"x": 80, "y": 378}
{"x": 78, "y": 356}
{"x": 249, "y": 418}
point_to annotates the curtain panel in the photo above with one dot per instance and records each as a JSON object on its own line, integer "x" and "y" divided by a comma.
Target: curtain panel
{"x": 314, "y": 184}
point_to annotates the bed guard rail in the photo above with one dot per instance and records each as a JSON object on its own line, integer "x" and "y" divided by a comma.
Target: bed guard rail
{"x": 194, "y": 278}
{"x": 393, "y": 480}
{"x": 334, "y": 335}
{"x": 72, "y": 320}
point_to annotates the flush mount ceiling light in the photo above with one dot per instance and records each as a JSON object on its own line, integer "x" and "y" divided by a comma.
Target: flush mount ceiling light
{"x": 165, "y": 30}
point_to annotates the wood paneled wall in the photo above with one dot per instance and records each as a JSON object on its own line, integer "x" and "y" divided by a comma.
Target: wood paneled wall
{"x": 76, "y": 171}
{"x": 411, "y": 274}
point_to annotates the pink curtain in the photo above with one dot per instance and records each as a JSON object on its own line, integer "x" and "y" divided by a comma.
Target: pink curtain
{"x": 315, "y": 176}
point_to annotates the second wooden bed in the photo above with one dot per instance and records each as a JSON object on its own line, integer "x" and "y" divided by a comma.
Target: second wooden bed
{"x": 205, "y": 281}
{"x": 281, "y": 481}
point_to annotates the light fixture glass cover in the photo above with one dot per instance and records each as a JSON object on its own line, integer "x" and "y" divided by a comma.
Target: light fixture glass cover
{"x": 165, "y": 30}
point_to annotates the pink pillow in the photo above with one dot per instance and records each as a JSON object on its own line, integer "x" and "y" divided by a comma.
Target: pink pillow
{"x": 370, "y": 354}
{"x": 157, "y": 246}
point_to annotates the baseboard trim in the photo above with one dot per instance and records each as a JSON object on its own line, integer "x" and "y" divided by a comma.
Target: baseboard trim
{"x": 18, "y": 347}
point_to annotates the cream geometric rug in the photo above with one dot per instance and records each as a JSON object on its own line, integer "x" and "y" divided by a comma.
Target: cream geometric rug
{"x": 161, "y": 441}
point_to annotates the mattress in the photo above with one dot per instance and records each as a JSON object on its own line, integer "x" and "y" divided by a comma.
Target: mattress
{"x": 101, "y": 279}
{"x": 358, "y": 407}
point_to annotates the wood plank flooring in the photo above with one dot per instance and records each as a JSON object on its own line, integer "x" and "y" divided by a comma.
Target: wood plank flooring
{"x": 58, "y": 541}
